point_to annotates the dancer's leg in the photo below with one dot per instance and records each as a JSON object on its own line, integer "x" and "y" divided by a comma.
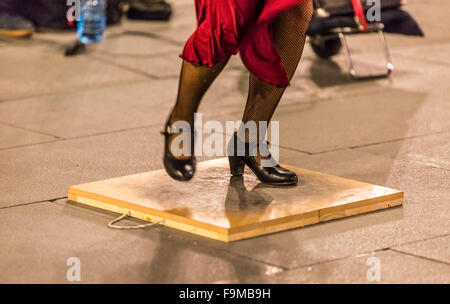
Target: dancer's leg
{"x": 289, "y": 35}
{"x": 194, "y": 82}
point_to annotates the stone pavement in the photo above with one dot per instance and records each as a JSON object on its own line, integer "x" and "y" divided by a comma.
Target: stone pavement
{"x": 66, "y": 121}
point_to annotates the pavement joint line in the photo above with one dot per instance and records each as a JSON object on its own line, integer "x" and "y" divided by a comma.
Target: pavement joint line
{"x": 340, "y": 259}
{"x": 154, "y": 77}
{"x": 59, "y": 139}
{"x": 128, "y": 129}
{"x": 124, "y": 67}
{"x": 287, "y": 269}
{"x": 133, "y": 70}
{"x": 296, "y": 150}
{"x": 113, "y": 132}
{"x": 367, "y": 253}
{"x": 224, "y": 250}
{"x": 421, "y": 257}
{"x": 29, "y": 145}
{"x": 320, "y": 263}
{"x": 77, "y": 90}
{"x": 30, "y": 130}
{"x": 180, "y": 234}
{"x": 399, "y": 139}
{"x": 426, "y": 164}
{"x": 400, "y": 159}
{"x": 428, "y": 60}
{"x": 86, "y": 136}
{"x": 379, "y": 142}
{"x": 177, "y": 43}
{"x": 148, "y": 75}
{"x": 150, "y": 34}
{"x": 231, "y": 112}
{"x": 311, "y": 98}
{"x": 265, "y": 263}
{"x": 157, "y": 55}
{"x": 168, "y": 77}
{"x": 32, "y": 203}
{"x": 44, "y": 41}
{"x": 418, "y": 46}
{"x": 422, "y": 240}
{"x": 283, "y": 268}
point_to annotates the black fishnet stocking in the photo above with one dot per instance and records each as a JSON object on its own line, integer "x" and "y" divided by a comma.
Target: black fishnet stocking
{"x": 288, "y": 35}
{"x": 194, "y": 82}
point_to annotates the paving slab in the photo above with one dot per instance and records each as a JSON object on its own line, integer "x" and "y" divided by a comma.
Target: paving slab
{"x": 38, "y": 75}
{"x": 417, "y": 180}
{"x": 356, "y": 121}
{"x": 432, "y": 150}
{"x": 120, "y": 107}
{"x": 435, "y": 52}
{"x": 94, "y": 111}
{"x": 43, "y": 172}
{"x": 12, "y": 137}
{"x": 38, "y": 250}
{"x": 436, "y": 249}
{"x": 394, "y": 268}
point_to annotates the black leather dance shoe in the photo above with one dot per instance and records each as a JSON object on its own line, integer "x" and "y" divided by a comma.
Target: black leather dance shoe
{"x": 178, "y": 169}
{"x": 276, "y": 175}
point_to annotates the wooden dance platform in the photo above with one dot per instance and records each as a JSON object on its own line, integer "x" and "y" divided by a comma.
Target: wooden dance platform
{"x": 215, "y": 205}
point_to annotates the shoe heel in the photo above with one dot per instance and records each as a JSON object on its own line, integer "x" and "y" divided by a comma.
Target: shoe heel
{"x": 236, "y": 166}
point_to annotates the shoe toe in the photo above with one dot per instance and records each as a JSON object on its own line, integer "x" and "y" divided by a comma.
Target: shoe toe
{"x": 294, "y": 178}
{"x": 188, "y": 171}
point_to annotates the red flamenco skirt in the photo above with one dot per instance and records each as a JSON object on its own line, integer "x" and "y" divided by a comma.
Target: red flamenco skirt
{"x": 228, "y": 27}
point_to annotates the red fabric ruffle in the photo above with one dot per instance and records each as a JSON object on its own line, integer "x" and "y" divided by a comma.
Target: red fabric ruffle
{"x": 228, "y": 27}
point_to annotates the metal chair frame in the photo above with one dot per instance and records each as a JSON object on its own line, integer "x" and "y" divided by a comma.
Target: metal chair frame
{"x": 343, "y": 32}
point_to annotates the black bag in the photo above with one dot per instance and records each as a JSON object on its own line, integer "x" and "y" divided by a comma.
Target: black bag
{"x": 395, "y": 21}
{"x": 344, "y": 7}
{"x": 52, "y": 13}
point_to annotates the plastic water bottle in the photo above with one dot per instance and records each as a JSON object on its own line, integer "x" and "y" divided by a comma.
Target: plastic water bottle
{"x": 92, "y": 22}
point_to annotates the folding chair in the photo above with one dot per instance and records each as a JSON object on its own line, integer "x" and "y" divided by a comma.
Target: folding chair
{"x": 342, "y": 18}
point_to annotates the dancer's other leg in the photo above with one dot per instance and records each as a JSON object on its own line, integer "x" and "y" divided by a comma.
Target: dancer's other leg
{"x": 289, "y": 36}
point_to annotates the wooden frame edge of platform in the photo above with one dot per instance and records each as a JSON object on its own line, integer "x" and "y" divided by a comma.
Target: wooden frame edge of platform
{"x": 315, "y": 217}
{"x": 203, "y": 229}
{"x": 272, "y": 226}
{"x": 237, "y": 233}
{"x": 361, "y": 207}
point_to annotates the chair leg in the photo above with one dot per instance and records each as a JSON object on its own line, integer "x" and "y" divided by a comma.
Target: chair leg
{"x": 351, "y": 68}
